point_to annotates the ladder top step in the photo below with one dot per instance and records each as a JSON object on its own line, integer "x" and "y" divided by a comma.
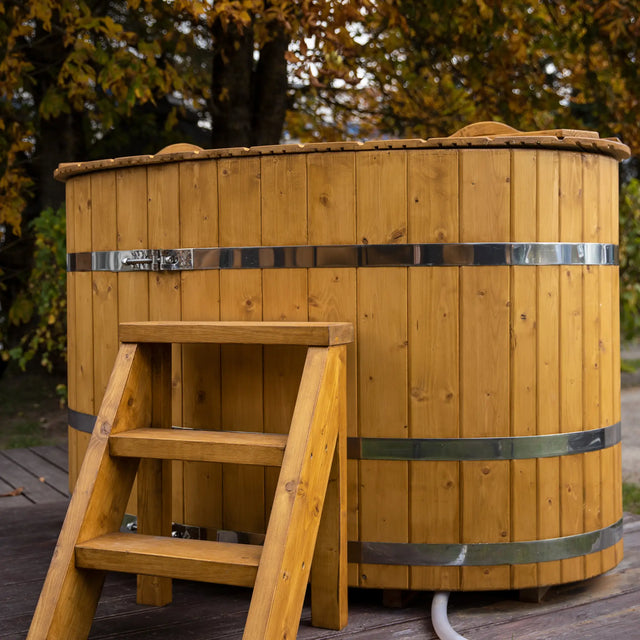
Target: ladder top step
{"x": 321, "y": 334}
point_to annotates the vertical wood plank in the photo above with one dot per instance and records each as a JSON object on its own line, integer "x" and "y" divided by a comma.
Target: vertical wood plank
{"x": 133, "y": 287}
{"x": 434, "y": 487}
{"x": 331, "y": 211}
{"x": 104, "y": 237}
{"x": 523, "y": 361}
{"x": 241, "y": 365}
{"x": 154, "y": 478}
{"x": 610, "y": 307}
{"x": 285, "y": 291}
{"x": 615, "y": 293}
{"x": 200, "y": 363}
{"x": 381, "y": 211}
{"x": 85, "y": 398}
{"x": 571, "y": 378}
{"x": 591, "y": 357}
{"x": 72, "y": 349}
{"x": 548, "y": 359}
{"x": 484, "y": 357}
{"x": 164, "y": 288}
{"x": 105, "y": 288}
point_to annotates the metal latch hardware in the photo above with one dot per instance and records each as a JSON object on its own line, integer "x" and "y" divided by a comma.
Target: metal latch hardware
{"x": 156, "y": 260}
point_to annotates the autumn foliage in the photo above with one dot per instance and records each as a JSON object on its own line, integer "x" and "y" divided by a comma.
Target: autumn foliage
{"x": 81, "y": 79}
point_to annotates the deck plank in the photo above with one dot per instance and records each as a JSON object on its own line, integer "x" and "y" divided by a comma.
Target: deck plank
{"x": 58, "y": 455}
{"x": 17, "y": 476}
{"x": 40, "y": 467}
{"x": 8, "y": 500}
{"x": 605, "y": 606}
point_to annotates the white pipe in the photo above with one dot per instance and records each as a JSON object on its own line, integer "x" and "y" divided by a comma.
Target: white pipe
{"x": 439, "y": 619}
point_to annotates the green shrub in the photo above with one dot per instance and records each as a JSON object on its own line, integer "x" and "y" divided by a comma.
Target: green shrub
{"x": 42, "y": 304}
{"x": 630, "y": 260}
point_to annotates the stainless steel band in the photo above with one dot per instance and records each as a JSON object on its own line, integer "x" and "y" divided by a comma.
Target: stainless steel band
{"x": 485, "y": 553}
{"x": 455, "y": 449}
{"x": 440, "y": 555}
{"x": 336, "y": 256}
{"x": 511, "y": 448}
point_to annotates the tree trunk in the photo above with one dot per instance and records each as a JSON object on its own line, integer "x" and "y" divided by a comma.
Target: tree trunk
{"x": 60, "y": 140}
{"x": 248, "y": 92}
{"x": 270, "y": 82}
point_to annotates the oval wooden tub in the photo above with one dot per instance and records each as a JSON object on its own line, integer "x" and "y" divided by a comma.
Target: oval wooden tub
{"x": 481, "y": 274}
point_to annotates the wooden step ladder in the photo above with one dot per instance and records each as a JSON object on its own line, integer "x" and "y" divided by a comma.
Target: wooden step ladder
{"x": 133, "y": 435}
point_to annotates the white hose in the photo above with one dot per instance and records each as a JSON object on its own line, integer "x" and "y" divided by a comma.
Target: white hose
{"x": 439, "y": 619}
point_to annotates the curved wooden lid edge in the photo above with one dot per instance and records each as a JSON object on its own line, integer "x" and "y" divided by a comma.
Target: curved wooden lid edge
{"x": 482, "y": 134}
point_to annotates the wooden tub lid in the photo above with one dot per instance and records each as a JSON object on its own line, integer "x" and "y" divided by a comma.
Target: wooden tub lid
{"x": 479, "y": 135}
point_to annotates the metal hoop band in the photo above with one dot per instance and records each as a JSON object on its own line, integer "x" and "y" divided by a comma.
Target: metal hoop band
{"x": 482, "y": 554}
{"x": 336, "y": 256}
{"x": 416, "y": 449}
{"x": 512, "y": 448}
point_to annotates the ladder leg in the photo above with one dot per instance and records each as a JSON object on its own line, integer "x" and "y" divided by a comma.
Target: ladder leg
{"x": 329, "y": 579}
{"x": 70, "y": 595}
{"x": 154, "y": 518}
{"x": 284, "y": 568}
{"x": 154, "y": 479}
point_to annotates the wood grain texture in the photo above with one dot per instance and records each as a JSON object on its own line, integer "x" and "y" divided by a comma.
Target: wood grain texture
{"x": 283, "y": 197}
{"x": 523, "y": 365}
{"x": 209, "y": 446}
{"x": 615, "y": 296}
{"x": 329, "y": 571}
{"x": 591, "y": 304}
{"x": 285, "y": 291}
{"x": 165, "y": 298}
{"x": 154, "y": 490}
{"x": 285, "y": 298}
{"x": 131, "y": 228}
{"x": 105, "y": 287}
{"x": 72, "y": 334}
{"x": 241, "y": 365}
{"x": 291, "y": 535}
{"x": 201, "y": 397}
{"x": 240, "y": 332}
{"x": 69, "y": 596}
{"x": 433, "y": 320}
{"x": 85, "y": 391}
{"x": 205, "y": 561}
{"x": 484, "y": 358}
{"x": 571, "y": 359}
{"x": 331, "y": 219}
{"x": 548, "y": 358}
{"x": 382, "y": 359}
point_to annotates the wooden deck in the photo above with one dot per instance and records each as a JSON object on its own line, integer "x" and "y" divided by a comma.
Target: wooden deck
{"x": 604, "y": 607}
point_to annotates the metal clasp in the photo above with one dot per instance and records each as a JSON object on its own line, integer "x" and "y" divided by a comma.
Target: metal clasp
{"x": 157, "y": 260}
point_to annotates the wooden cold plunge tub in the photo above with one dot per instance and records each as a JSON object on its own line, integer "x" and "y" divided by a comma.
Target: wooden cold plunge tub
{"x": 481, "y": 274}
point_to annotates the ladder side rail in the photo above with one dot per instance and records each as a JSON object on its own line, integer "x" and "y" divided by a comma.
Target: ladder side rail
{"x": 69, "y": 596}
{"x": 295, "y": 516}
{"x": 329, "y": 570}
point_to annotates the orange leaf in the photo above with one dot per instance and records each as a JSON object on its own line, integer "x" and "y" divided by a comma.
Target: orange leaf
{"x": 15, "y": 492}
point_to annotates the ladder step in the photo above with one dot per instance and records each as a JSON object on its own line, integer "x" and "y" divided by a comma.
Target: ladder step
{"x": 201, "y": 560}
{"x": 204, "y": 446}
{"x": 298, "y": 333}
